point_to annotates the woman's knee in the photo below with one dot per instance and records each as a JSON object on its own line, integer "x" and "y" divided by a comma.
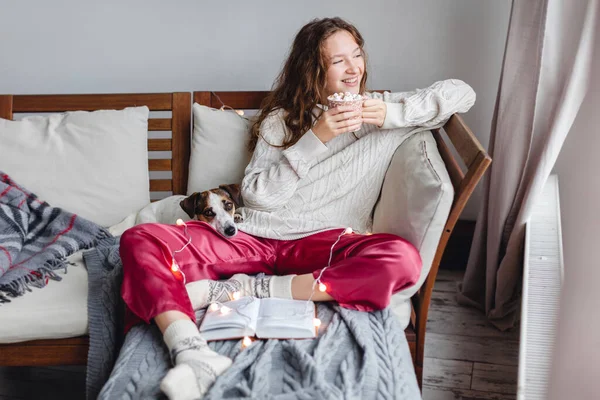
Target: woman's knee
{"x": 402, "y": 260}
{"x": 137, "y": 240}
{"x": 132, "y": 235}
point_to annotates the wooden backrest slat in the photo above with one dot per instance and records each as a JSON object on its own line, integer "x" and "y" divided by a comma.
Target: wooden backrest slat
{"x": 90, "y": 102}
{"x": 182, "y": 137}
{"x": 248, "y": 100}
{"x": 237, "y": 100}
{"x": 454, "y": 171}
{"x": 6, "y": 104}
{"x": 161, "y": 185}
{"x": 463, "y": 139}
{"x": 202, "y": 98}
{"x": 159, "y": 144}
{"x": 159, "y": 124}
{"x": 159, "y": 165}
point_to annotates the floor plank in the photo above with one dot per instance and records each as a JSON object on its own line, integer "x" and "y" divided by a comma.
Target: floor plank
{"x": 487, "y": 350}
{"x": 448, "y": 317}
{"x": 435, "y": 393}
{"x": 495, "y": 378}
{"x": 447, "y": 373}
{"x": 447, "y": 281}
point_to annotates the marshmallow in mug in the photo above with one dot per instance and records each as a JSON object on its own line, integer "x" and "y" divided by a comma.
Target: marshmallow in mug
{"x": 345, "y": 97}
{"x": 355, "y": 102}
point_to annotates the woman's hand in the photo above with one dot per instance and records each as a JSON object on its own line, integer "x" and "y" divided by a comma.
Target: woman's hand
{"x": 374, "y": 111}
{"x": 336, "y": 121}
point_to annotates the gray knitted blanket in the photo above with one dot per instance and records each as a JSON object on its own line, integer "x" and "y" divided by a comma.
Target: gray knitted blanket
{"x": 357, "y": 355}
{"x": 36, "y": 239}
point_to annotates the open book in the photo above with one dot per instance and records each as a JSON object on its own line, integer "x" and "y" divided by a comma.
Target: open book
{"x": 263, "y": 318}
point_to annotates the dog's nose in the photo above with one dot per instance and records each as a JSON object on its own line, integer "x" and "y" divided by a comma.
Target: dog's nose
{"x": 230, "y": 230}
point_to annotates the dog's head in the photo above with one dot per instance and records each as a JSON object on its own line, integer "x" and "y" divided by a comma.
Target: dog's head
{"x": 216, "y": 207}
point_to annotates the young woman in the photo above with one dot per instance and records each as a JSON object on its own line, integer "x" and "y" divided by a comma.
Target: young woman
{"x": 314, "y": 173}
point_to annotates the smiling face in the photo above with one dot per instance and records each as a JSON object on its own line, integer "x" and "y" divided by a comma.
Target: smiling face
{"x": 345, "y": 63}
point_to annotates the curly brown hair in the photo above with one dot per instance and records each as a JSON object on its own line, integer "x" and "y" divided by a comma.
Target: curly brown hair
{"x": 298, "y": 88}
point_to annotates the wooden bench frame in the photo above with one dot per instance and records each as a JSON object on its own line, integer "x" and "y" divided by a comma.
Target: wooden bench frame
{"x": 74, "y": 350}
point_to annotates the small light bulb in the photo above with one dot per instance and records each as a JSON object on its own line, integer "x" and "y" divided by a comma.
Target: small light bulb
{"x": 348, "y": 231}
{"x": 246, "y": 342}
{"x": 213, "y": 307}
{"x": 240, "y": 112}
{"x": 322, "y": 287}
{"x": 235, "y": 295}
{"x": 225, "y": 310}
{"x": 174, "y": 266}
{"x": 317, "y": 322}
{"x": 180, "y": 222}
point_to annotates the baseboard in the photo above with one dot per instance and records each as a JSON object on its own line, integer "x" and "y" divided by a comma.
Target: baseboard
{"x": 458, "y": 247}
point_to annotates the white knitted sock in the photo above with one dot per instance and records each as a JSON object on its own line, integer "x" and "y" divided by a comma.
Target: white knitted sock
{"x": 206, "y": 291}
{"x": 281, "y": 286}
{"x": 196, "y": 365}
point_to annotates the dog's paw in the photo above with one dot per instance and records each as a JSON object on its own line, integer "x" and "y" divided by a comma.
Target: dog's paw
{"x": 237, "y": 218}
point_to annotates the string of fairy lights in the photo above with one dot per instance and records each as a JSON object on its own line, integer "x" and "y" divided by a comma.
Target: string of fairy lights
{"x": 224, "y": 309}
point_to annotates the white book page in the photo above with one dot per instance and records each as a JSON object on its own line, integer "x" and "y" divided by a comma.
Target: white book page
{"x": 286, "y": 319}
{"x": 240, "y": 321}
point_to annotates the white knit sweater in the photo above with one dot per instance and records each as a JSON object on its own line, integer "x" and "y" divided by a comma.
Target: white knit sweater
{"x": 312, "y": 187}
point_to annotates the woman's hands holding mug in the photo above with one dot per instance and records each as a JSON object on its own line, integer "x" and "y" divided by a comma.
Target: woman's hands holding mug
{"x": 336, "y": 121}
{"x": 343, "y": 119}
{"x": 374, "y": 111}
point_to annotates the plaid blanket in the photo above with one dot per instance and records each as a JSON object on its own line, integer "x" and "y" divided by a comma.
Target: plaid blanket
{"x": 35, "y": 239}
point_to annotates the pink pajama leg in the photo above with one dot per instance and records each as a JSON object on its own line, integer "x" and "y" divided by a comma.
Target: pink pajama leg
{"x": 150, "y": 287}
{"x": 365, "y": 269}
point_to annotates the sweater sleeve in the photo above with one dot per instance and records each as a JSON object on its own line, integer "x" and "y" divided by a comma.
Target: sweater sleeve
{"x": 272, "y": 176}
{"x": 430, "y": 107}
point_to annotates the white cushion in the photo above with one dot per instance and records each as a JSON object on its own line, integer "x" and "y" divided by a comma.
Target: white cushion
{"x": 402, "y": 309}
{"x": 94, "y": 164}
{"x": 219, "y": 151}
{"x": 415, "y": 201}
{"x": 164, "y": 211}
{"x": 59, "y": 310}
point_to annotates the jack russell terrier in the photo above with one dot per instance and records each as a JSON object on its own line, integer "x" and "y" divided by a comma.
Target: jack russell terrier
{"x": 215, "y": 206}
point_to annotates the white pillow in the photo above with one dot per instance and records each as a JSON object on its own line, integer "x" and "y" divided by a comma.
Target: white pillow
{"x": 219, "y": 152}
{"x": 415, "y": 201}
{"x": 94, "y": 164}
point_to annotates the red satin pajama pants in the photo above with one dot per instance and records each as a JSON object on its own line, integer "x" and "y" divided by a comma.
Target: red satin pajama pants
{"x": 365, "y": 269}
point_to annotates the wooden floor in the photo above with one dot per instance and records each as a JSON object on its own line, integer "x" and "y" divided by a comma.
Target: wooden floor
{"x": 465, "y": 358}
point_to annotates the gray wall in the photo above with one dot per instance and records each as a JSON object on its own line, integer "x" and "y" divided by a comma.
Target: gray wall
{"x": 80, "y": 46}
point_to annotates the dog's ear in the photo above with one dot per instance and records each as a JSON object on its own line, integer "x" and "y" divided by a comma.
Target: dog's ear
{"x": 190, "y": 203}
{"x": 234, "y": 192}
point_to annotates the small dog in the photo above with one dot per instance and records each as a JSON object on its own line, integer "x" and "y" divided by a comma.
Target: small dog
{"x": 216, "y": 207}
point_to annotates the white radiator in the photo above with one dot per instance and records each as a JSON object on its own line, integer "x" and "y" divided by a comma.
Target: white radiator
{"x": 542, "y": 278}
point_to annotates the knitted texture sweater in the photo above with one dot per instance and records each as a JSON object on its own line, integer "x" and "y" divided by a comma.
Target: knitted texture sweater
{"x": 311, "y": 187}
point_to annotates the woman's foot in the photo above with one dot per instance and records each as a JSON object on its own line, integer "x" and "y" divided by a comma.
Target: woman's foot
{"x": 196, "y": 365}
{"x": 204, "y": 292}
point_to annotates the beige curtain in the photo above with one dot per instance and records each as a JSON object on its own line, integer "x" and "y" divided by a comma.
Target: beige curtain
{"x": 544, "y": 79}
